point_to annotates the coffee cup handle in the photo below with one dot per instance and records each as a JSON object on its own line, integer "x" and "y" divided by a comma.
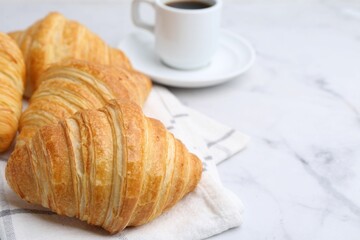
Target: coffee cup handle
{"x": 135, "y": 13}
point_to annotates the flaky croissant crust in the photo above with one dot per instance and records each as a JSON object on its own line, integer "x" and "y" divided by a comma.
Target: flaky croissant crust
{"x": 111, "y": 167}
{"x": 74, "y": 85}
{"x": 12, "y": 80}
{"x": 54, "y": 39}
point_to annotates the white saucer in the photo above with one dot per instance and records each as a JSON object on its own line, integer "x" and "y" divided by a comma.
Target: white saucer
{"x": 234, "y": 57}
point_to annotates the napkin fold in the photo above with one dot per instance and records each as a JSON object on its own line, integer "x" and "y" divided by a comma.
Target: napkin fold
{"x": 209, "y": 210}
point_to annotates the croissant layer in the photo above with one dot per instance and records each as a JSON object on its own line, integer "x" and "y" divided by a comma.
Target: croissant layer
{"x": 111, "y": 167}
{"x": 56, "y": 38}
{"x": 75, "y": 85}
{"x": 12, "y": 80}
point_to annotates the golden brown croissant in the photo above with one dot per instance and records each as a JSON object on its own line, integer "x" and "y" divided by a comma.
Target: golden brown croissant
{"x": 111, "y": 167}
{"x": 75, "y": 85}
{"x": 54, "y": 39}
{"x": 12, "y": 80}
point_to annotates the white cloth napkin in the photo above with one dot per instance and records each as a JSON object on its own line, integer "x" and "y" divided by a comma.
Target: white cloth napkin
{"x": 207, "y": 211}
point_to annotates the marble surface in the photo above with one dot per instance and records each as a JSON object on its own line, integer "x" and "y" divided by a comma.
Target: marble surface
{"x": 299, "y": 178}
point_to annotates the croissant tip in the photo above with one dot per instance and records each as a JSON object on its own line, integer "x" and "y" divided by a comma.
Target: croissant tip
{"x": 55, "y": 13}
{"x": 19, "y": 175}
{"x": 11, "y": 172}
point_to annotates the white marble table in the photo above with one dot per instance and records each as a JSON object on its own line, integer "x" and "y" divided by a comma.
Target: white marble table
{"x": 300, "y": 176}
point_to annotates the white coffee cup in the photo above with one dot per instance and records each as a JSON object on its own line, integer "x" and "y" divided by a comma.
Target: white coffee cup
{"x": 184, "y": 38}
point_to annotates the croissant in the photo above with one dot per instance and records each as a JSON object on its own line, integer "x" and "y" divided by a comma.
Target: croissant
{"x": 54, "y": 39}
{"x": 111, "y": 167}
{"x": 12, "y": 80}
{"x": 75, "y": 85}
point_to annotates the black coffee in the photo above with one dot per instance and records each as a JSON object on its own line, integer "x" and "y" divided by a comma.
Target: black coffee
{"x": 189, "y": 4}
